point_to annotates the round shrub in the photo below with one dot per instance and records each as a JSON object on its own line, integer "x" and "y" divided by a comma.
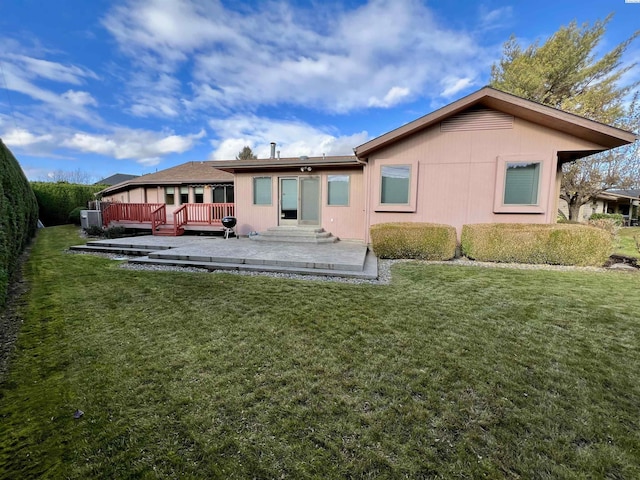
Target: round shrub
{"x": 422, "y": 241}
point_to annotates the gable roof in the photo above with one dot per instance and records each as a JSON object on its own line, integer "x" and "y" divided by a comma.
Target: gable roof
{"x": 606, "y": 136}
{"x": 189, "y": 173}
{"x": 115, "y": 179}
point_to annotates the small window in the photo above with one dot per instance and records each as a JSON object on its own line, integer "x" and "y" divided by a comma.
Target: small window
{"x": 218, "y": 194}
{"x": 198, "y": 194}
{"x": 395, "y": 184}
{"x": 521, "y": 183}
{"x": 184, "y": 195}
{"x": 169, "y": 195}
{"x": 338, "y": 190}
{"x": 262, "y": 190}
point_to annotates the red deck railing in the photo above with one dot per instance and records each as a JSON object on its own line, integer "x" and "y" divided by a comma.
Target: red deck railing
{"x": 129, "y": 212}
{"x": 158, "y": 217}
{"x": 209, "y": 214}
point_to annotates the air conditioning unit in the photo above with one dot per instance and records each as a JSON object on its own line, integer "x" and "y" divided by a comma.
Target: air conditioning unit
{"x": 90, "y": 218}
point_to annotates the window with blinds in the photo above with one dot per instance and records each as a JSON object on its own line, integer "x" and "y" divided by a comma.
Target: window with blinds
{"x": 521, "y": 183}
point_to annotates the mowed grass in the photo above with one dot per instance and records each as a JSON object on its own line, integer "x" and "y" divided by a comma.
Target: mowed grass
{"x": 626, "y": 241}
{"x": 449, "y": 372}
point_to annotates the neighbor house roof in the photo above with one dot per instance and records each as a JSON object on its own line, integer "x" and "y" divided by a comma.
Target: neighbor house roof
{"x": 633, "y": 194}
{"x": 606, "y": 136}
{"x": 186, "y": 173}
{"x": 287, "y": 163}
{"x": 115, "y": 179}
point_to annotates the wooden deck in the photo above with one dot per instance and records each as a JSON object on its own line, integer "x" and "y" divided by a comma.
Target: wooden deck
{"x": 153, "y": 217}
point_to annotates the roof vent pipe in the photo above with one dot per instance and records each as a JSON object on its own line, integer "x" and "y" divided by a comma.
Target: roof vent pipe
{"x": 278, "y": 154}
{"x": 273, "y": 150}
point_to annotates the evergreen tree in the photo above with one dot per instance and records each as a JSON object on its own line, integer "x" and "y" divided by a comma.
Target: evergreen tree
{"x": 565, "y": 73}
{"x": 246, "y": 154}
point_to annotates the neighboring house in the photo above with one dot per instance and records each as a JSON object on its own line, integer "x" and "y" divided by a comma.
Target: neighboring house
{"x": 490, "y": 157}
{"x": 611, "y": 201}
{"x": 115, "y": 179}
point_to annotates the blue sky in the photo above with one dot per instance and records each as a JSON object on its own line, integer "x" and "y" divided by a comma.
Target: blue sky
{"x": 135, "y": 86}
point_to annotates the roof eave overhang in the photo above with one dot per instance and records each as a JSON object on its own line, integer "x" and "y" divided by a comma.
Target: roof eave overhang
{"x": 127, "y": 186}
{"x": 286, "y": 166}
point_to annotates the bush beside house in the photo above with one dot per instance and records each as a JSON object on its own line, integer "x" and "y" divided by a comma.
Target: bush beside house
{"x": 18, "y": 216}
{"x": 57, "y": 200}
{"x": 618, "y": 218}
{"x": 560, "y": 244}
{"x": 422, "y": 241}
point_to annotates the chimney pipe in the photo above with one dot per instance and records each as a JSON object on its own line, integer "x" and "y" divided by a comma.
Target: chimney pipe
{"x": 273, "y": 150}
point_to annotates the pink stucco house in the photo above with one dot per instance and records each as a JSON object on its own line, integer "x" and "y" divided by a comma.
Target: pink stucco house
{"x": 488, "y": 157}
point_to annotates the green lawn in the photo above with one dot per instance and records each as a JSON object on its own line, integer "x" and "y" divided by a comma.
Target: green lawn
{"x": 449, "y": 372}
{"x": 626, "y": 243}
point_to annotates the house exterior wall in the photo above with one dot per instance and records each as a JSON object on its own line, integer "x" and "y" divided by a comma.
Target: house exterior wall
{"x": 457, "y": 173}
{"x": 344, "y": 222}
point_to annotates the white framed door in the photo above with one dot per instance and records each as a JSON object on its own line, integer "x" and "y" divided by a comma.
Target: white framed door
{"x": 299, "y": 201}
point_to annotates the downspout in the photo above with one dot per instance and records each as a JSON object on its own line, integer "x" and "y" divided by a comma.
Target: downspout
{"x": 367, "y": 189}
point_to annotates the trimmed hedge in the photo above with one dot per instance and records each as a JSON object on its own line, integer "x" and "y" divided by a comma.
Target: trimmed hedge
{"x": 616, "y": 217}
{"x": 423, "y": 241}
{"x": 558, "y": 244}
{"x": 18, "y": 216}
{"x": 57, "y": 200}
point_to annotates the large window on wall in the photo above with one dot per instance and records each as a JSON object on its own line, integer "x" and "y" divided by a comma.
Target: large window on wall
{"x": 338, "y": 190}
{"x": 262, "y": 190}
{"x": 222, "y": 194}
{"x": 394, "y": 188}
{"x": 521, "y": 183}
{"x": 184, "y": 195}
{"x": 169, "y": 195}
{"x": 198, "y": 194}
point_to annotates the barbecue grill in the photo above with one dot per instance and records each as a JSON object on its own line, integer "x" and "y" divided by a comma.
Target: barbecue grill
{"x": 229, "y": 223}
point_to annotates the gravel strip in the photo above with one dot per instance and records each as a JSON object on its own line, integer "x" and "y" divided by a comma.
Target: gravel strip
{"x": 384, "y": 269}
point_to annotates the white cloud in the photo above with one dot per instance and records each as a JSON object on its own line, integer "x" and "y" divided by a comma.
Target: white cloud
{"x": 143, "y": 146}
{"x": 380, "y": 54}
{"x": 154, "y": 95}
{"x": 496, "y": 18}
{"x": 453, "y": 85}
{"x": 146, "y": 147}
{"x": 20, "y": 137}
{"x": 393, "y": 96}
{"x": 293, "y": 138}
{"x": 79, "y": 98}
{"x": 24, "y": 74}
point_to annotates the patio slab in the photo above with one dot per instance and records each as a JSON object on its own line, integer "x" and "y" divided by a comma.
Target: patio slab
{"x": 348, "y": 259}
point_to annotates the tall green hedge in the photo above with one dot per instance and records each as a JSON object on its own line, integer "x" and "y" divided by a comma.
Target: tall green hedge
{"x": 558, "y": 244}
{"x": 57, "y": 200}
{"x": 18, "y": 216}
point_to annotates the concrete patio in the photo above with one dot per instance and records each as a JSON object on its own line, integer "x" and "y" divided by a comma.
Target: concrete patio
{"x": 343, "y": 259}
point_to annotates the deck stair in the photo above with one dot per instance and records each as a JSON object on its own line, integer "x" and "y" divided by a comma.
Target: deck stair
{"x": 295, "y": 234}
{"x": 168, "y": 230}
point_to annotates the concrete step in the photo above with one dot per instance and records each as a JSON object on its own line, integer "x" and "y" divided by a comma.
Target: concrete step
{"x": 123, "y": 243}
{"x": 369, "y": 271}
{"x": 288, "y": 234}
{"x": 355, "y": 265}
{"x": 107, "y": 249}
